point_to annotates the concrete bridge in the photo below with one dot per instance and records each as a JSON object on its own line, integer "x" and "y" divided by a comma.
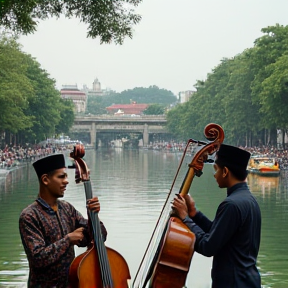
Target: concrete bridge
{"x": 144, "y": 124}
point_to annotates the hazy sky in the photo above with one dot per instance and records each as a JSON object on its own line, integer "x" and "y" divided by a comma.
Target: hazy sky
{"x": 176, "y": 43}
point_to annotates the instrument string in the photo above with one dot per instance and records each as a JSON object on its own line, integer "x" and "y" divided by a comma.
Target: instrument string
{"x": 99, "y": 243}
{"x": 161, "y": 224}
{"x": 85, "y": 270}
{"x": 149, "y": 268}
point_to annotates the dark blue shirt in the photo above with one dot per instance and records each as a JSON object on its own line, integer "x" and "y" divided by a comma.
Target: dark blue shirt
{"x": 233, "y": 238}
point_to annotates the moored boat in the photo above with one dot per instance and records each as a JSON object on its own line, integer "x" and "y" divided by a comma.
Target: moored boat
{"x": 264, "y": 165}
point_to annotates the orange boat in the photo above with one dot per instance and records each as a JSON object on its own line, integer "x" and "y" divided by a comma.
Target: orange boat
{"x": 264, "y": 165}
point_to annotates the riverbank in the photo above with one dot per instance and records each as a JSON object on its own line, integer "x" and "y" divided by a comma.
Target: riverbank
{"x": 280, "y": 155}
{"x": 11, "y": 157}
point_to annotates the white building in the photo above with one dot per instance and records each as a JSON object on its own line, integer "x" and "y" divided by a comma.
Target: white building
{"x": 96, "y": 89}
{"x": 78, "y": 97}
{"x": 184, "y": 96}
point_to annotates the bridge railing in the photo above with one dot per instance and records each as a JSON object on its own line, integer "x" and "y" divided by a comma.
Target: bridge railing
{"x": 119, "y": 117}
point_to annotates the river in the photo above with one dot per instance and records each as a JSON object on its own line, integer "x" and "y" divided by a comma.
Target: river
{"x": 132, "y": 186}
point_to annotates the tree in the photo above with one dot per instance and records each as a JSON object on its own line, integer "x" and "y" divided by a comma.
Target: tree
{"x": 150, "y": 95}
{"x": 66, "y": 108}
{"x": 110, "y": 20}
{"x": 44, "y": 104}
{"x": 242, "y": 116}
{"x": 154, "y": 109}
{"x": 177, "y": 121}
{"x": 31, "y": 108}
{"x": 97, "y": 105}
{"x": 274, "y": 95}
{"x": 269, "y": 58}
{"x": 14, "y": 87}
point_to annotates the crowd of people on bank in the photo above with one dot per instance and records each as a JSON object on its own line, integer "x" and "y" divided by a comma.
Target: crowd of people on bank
{"x": 281, "y": 155}
{"x": 11, "y": 156}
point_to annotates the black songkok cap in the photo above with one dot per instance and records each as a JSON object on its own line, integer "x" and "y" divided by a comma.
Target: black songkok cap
{"x": 48, "y": 164}
{"x": 232, "y": 157}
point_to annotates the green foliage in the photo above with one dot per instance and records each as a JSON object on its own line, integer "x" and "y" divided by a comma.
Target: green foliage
{"x": 67, "y": 117}
{"x": 151, "y": 95}
{"x": 14, "y": 87}
{"x": 242, "y": 116}
{"x": 30, "y": 105}
{"x": 154, "y": 109}
{"x": 269, "y": 88}
{"x": 176, "y": 121}
{"x": 96, "y": 105}
{"x": 274, "y": 94}
{"x": 247, "y": 95}
{"x": 110, "y": 20}
{"x": 43, "y": 105}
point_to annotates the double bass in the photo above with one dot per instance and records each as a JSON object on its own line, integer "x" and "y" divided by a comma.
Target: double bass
{"x": 99, "y": 266}
{"x": 167, "y": 259}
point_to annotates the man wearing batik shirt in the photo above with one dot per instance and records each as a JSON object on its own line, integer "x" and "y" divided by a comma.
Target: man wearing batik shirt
{"x": 50, "y": 227}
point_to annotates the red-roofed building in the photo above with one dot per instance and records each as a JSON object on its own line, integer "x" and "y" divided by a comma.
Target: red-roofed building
{"x": 128, "y": 109}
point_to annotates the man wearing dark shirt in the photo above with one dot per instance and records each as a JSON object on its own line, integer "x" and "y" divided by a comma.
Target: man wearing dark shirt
{"x": 233, "y": 237}
{"x": 50, "y": 227}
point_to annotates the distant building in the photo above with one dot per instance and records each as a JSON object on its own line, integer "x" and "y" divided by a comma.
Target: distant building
{"x": 96, "y": 89}
{"x": 184, "y": 96}
{"x": 78, "y": 97}
{"x": 127, "y": 109}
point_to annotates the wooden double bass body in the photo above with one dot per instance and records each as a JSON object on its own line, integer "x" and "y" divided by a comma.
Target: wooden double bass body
{"x": 175, "y": 255}
{"x": 167, "y": 265}
{"x": 99, "y": 266}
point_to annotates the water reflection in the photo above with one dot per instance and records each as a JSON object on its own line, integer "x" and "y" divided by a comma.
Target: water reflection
{"x": 272, "y": 196}
{"x": 264, "y": 185}
{"x": 13, "y": 265}
{"x": 132, "y": 186}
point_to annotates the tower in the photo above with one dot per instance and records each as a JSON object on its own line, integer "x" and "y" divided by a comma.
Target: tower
{"x": 96, "y": 85}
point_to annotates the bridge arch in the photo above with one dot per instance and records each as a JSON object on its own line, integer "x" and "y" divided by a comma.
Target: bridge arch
{"x": 144, "y": 124}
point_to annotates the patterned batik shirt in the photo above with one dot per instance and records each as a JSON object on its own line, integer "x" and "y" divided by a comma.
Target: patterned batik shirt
{"x": 44, "y": 236}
